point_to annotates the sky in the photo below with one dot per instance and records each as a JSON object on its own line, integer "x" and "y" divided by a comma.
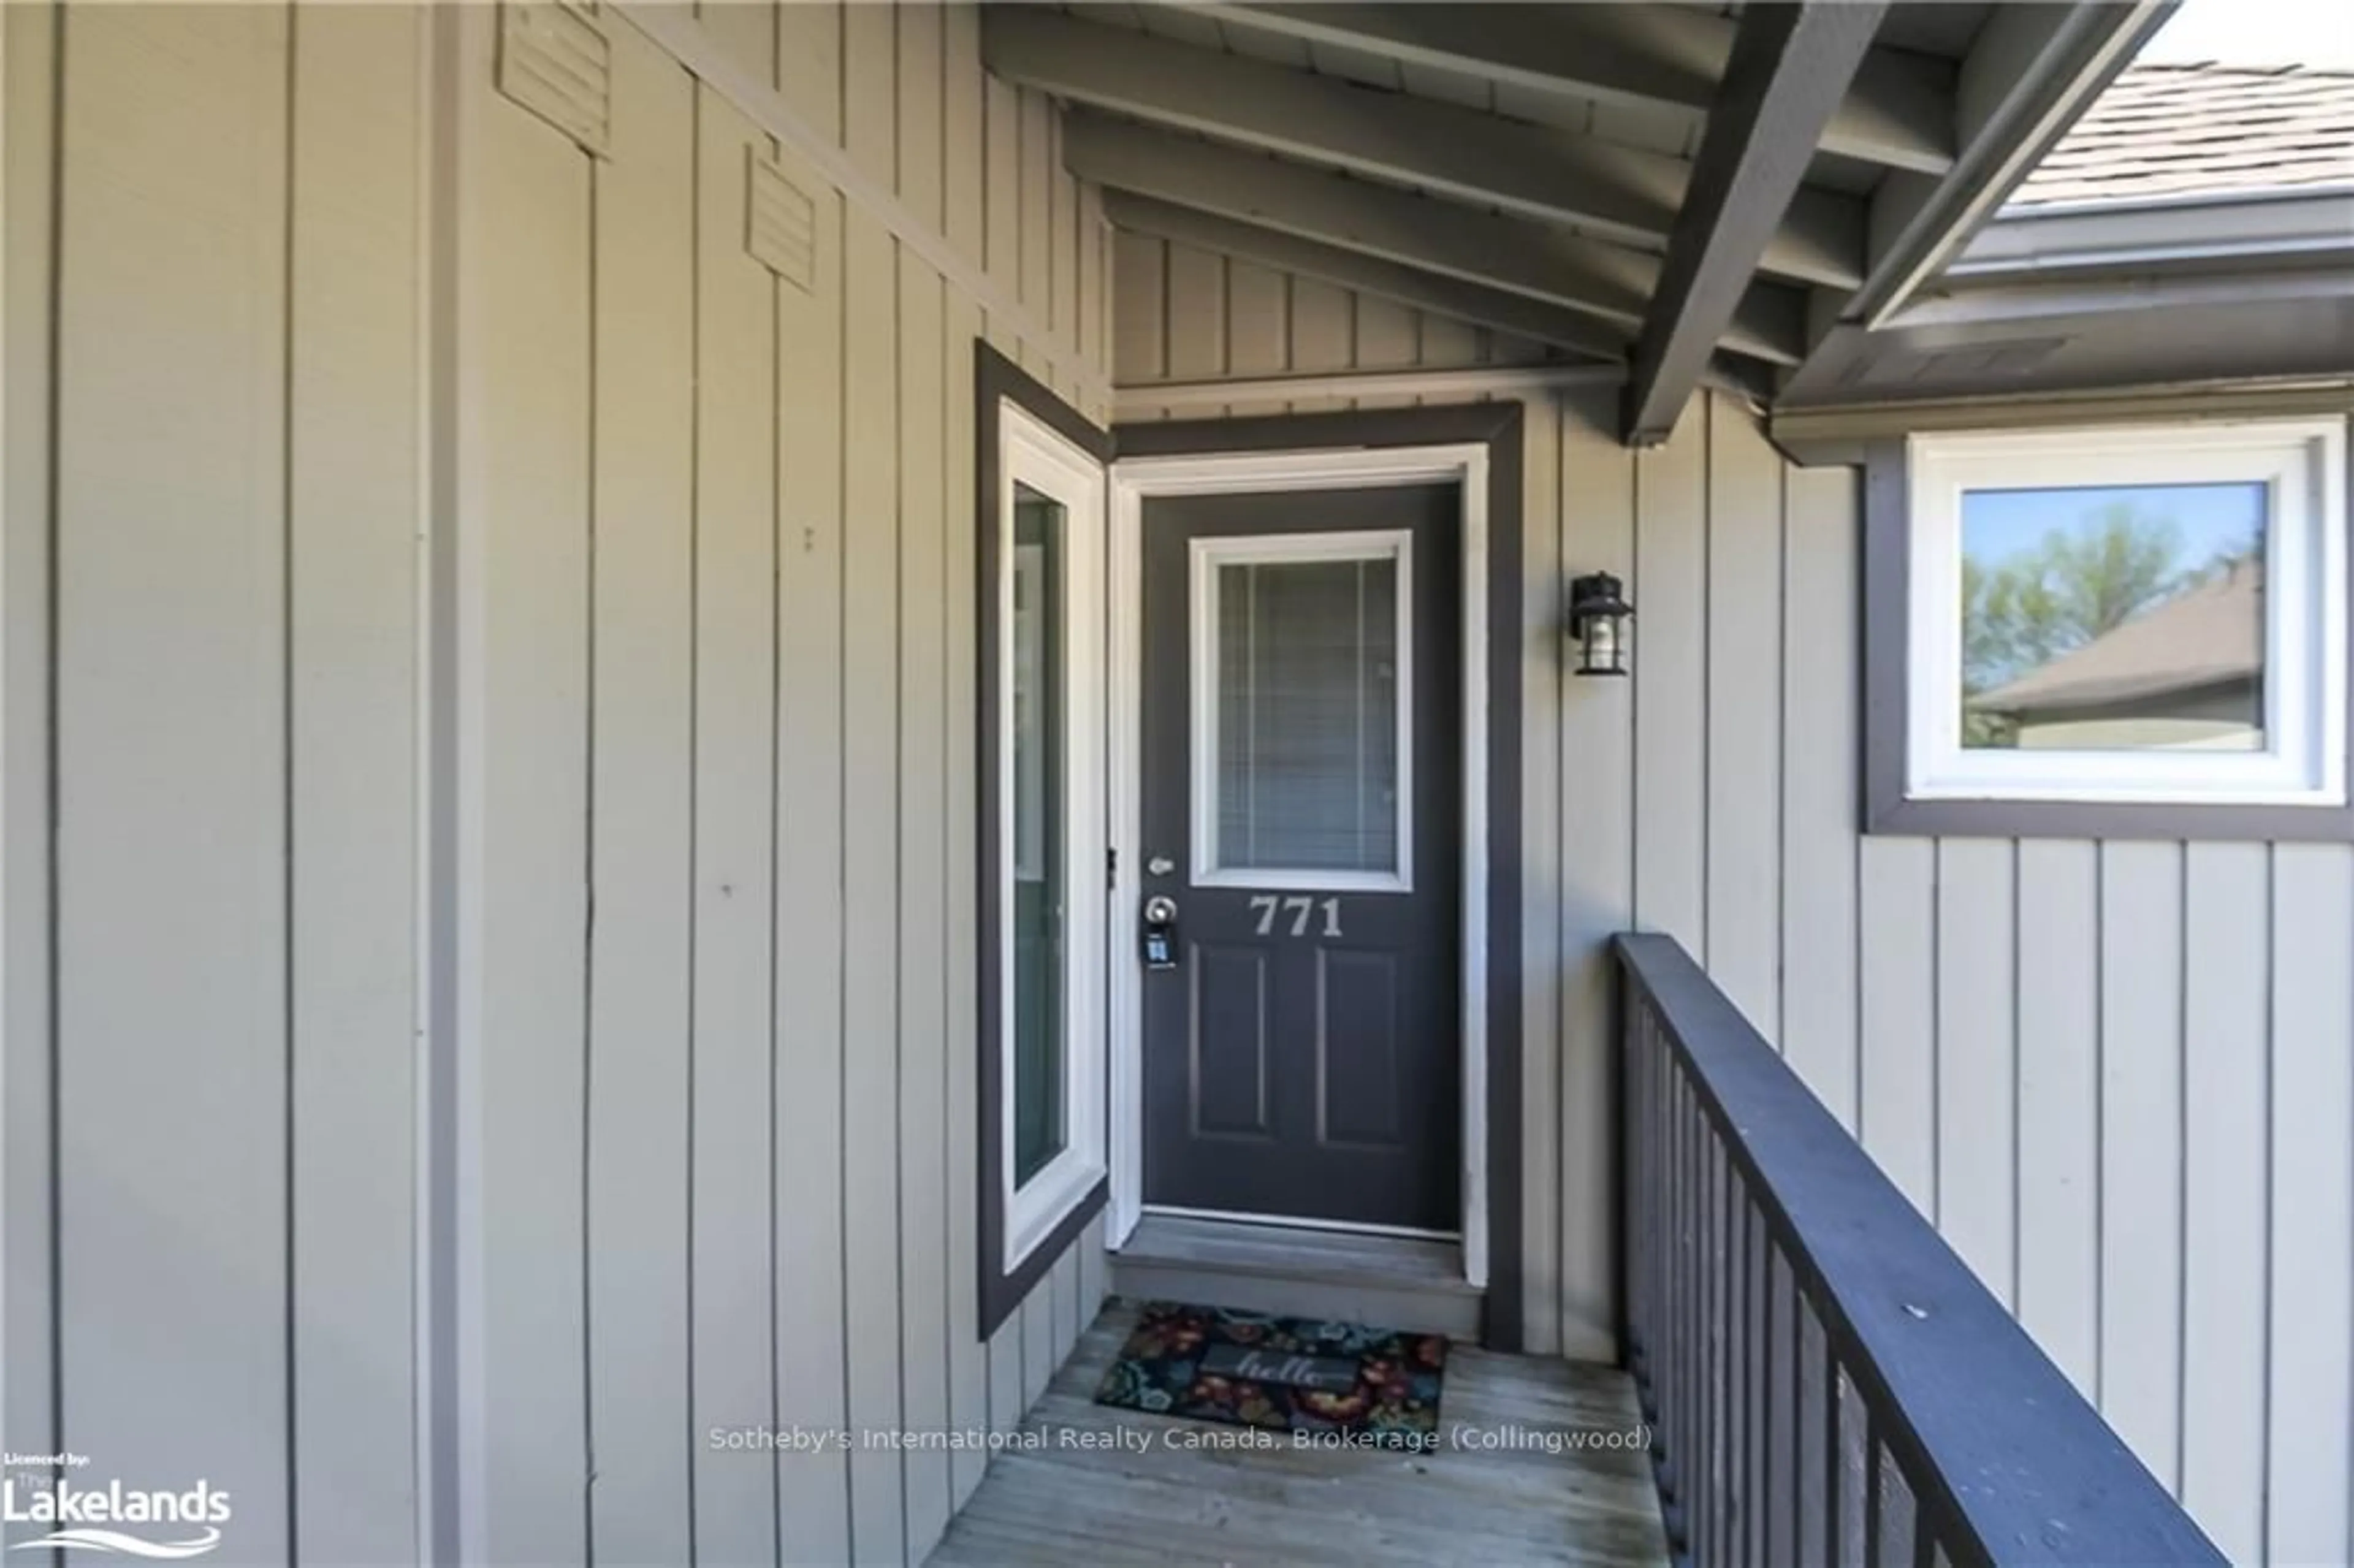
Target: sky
{"x": 2208, "y": 519}
{"x": 2257, "y": 33}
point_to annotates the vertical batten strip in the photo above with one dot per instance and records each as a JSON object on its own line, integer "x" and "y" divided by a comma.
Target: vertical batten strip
{"x": 1140, "y": 308}
{"x": 1008, "y": 1382}
{"x": 1977, "y": 987}
{"x": 2227, "y": 957}
{"x": 1670, "y": 683}
{"x": 812, "y": 1329}
{"x": 808, "y": 71}
{"x": 31, "y": 46}
{"x": 968, "y": 1355}
{"x": 2310, "y": 1381}
{"x": 919, "y": 52}
{"x": 1597, "y": 806}
{"x": 352, "y": 498}
{"x": 966, "y": 181}
{"x": 735, "y": 476}
{"x": 2140, "y": 1139}
{"x": 641, "y": 781}
{"x": 870, "y": 916}
{"x": 2057, "y": 1192}
{"x": 871, "y": 1086}
{"x": 1820, "y": 730}
{"x": 1538, "y": 1104}
{"x": 1034, "y": 137}
{"x": 1896, "y": 976}
{"x": 171, "y": 504}
{"x": 523, "y": 338}
{"x": 923, "y": 930}
{"x": 1257, "y": 326}
{"x": 1742, "y": 702}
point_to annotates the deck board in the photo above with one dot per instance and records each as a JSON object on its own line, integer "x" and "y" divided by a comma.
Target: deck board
{"x": 1160, "y": 1501}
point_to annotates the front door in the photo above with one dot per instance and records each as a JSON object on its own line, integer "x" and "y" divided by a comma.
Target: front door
{"x": 1302, "y": 788}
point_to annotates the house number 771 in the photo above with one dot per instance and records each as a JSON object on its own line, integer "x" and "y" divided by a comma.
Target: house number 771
{"x": 1298, "y": 909}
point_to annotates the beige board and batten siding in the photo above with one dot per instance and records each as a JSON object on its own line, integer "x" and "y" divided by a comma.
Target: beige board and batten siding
{"x": 2115, "y": 1075}
{"x": 212, "y": 498}
{"x": 511, "y": 762}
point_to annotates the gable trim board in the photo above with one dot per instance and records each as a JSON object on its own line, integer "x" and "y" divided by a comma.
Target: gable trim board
{"x": 1142, "y": 398}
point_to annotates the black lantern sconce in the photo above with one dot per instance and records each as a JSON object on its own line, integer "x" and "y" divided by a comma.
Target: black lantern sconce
{"x": 1598, "y": 613}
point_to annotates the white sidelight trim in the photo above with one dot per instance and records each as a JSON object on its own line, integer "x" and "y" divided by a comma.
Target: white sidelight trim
{"x": 1034, "y": 455}
{"x": 1205, "y": 558}
{"x": 1133, "y": 480}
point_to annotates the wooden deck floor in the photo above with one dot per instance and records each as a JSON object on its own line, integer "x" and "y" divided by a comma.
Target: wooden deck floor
{"x": 1160, "y": 1500}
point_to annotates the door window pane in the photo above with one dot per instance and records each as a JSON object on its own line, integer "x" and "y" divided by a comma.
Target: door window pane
{"x": 1036, "y": 710}
{"x": 2113, "y": 618}
{"x": 1307, "y": 678}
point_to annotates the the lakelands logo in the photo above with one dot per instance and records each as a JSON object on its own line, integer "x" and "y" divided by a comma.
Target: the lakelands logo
{"x": 176, "y": 1523}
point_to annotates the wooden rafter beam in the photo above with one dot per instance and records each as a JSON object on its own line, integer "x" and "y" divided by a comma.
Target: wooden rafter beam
{"x": 1515, "y": 313}
{"x": 1897, "y": 111}
{"x": 1609, "y": 282}
{"x": 1789, "y": 70}
{"x": 2032, "y": 70}
{"x": 1619, "y": 193}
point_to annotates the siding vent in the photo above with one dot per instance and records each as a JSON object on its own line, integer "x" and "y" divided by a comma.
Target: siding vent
{"x": 780, "y": 226}
{"x": 553, "y": 59}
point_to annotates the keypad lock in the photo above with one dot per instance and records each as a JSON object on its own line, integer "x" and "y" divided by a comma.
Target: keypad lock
{"x": 1161, "y": 932}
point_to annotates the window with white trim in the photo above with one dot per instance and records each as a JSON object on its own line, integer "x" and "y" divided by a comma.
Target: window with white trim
{"x": 2149, "y": 616}
{"x": 1043, "y": 903}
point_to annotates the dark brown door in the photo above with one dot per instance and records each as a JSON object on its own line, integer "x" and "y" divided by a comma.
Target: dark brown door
{"x": 1301, "y": 782}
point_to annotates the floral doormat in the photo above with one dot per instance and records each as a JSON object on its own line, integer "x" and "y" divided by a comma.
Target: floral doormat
{"x": 1290, "y": 1375}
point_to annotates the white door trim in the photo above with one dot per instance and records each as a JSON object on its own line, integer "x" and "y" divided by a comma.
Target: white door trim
{"x": 1133, "y": 480}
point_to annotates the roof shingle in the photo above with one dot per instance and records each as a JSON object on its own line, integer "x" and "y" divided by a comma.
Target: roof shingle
{"x": 2210, "y": 635}
{"x": 2167, "y": 130}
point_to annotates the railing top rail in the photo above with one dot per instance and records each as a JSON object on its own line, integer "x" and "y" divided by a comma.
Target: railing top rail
{"x": 1994, "y": 1437}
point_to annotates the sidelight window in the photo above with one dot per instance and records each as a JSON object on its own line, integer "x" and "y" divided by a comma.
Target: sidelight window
{"x": 1042, "y": 899}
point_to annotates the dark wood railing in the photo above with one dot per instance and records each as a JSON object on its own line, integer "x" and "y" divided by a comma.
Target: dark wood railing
{"x": 1826, "y": 1381}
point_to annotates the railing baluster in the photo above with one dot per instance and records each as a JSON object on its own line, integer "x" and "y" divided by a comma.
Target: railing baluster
{"x": 1642, "y": 1241}
{"x": 1684, "y": 1370}
{"x": 1874, "y": 1498}
{"x": 1756, "y": 1356}
{"x": 1893, "y": 1541}
{"x": 1852, "y": 1474}
{"x": 1634, "y": 1157}
{"x": 1826, "y": 1381}
{"x": 1703, "y": 1488}
{"x": 1817, "y": 1392}
{"x": 1780, "y": 1543}
{"x": 1743, "y": 1349}
{"x": 1720, "y": 1319}
{"x": 1692, "y": 1472}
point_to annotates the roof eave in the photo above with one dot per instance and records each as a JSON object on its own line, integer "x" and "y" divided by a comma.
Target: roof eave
{"x": 2041, "y": 75}
{"x": 2208, "y": 231}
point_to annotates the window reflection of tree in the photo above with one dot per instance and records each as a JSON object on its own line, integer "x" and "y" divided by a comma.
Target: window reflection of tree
{"x": 2032, "y": 607}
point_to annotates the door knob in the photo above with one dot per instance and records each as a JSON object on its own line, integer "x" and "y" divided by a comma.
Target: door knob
{"x": 1161, "y": 932}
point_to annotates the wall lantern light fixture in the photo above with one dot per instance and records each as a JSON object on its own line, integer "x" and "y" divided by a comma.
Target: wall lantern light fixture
{"x": 1598, "y": 614}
